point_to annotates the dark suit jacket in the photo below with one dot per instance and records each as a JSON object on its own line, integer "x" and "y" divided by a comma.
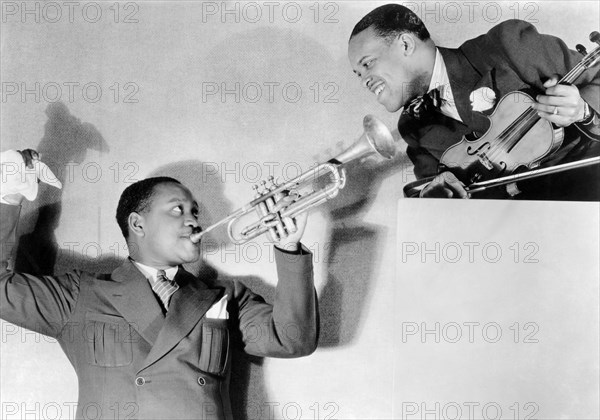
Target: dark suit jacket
{"x": 131, "y": 360}
{"x": 511, "y": 56}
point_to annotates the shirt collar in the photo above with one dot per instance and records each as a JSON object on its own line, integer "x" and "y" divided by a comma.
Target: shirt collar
{"x": 439, "y": 77}
{"x": 151, "y": 273}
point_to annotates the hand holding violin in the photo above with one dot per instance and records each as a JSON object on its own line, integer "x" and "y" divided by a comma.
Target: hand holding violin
{"x": 561, "y": 104}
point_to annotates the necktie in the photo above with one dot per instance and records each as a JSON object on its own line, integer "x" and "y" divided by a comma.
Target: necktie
{"x": 423, "y": 106}
{"x": 164, "y": 288}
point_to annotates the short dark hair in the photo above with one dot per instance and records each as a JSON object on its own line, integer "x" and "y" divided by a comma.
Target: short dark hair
{"x": 136, "y": 198}
{"x": 391, "y": 20}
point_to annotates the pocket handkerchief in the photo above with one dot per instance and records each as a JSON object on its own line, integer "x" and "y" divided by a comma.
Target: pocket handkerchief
{"x": 218, "y": 310}
{"x": 482, "y": 99}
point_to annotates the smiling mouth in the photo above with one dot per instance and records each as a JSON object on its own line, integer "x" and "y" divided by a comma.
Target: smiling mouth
{"x": 378, "y": 88}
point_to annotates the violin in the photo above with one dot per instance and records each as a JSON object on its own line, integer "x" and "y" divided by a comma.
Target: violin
{"x": 518, "y": 139}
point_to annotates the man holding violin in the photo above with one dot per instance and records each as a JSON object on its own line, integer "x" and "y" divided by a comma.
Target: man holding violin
{"x": 447, "y": 94}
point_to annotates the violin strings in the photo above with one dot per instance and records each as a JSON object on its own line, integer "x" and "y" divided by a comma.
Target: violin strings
{"x": 510, "y": 133}
{"x": 515, "y": 131}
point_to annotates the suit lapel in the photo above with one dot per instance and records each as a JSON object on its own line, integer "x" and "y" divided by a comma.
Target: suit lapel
{"x": 463, "y": 79}
{"x": 188, "y": 305}
{"x": 132, "y": 296}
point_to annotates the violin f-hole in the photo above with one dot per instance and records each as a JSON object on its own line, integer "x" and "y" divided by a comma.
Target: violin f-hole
{"x": 476, "y": 151}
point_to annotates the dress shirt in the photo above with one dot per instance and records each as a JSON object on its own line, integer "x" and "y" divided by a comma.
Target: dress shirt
{"x": 151, "y": 273}
{"x": 440, "y": 80}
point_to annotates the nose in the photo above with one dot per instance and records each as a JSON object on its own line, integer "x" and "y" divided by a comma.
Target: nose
{"x": 191, "y": 221}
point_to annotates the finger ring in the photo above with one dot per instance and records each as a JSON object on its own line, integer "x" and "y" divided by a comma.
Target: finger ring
{"x": 555, "y": 112}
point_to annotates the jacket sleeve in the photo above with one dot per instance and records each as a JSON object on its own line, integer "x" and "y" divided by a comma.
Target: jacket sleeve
{"x": 38, "y": 303}
{"x": 536, "y": 57}
{"x": 289, "y": 327}
{"x": 425, "y": 164}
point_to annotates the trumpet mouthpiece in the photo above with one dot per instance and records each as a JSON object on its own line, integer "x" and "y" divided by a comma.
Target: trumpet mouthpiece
{"x": 195, "y": 237}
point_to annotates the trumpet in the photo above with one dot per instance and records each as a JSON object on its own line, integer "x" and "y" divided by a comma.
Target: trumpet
{"x": 304, "y": 192}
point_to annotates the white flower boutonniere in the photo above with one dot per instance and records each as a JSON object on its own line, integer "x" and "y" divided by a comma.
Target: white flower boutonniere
{"x": 482, "y": 99}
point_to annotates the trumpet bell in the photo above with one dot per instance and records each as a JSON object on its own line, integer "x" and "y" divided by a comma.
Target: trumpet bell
{"x": 375, "y": 139}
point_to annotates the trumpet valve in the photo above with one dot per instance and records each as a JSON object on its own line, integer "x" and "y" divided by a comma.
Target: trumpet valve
{"x": 262, "y": 189}
{"x": 257, "y": 193}
{"x": 272, "y": 183}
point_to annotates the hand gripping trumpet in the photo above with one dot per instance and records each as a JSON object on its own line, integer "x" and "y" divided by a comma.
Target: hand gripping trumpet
{"x": 304, "y": 192}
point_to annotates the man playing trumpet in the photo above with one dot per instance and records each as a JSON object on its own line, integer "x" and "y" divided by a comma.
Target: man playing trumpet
{"x": 150, "y": 340}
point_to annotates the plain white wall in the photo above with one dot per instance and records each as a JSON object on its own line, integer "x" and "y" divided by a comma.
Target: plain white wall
{"x": 291, "y": 101}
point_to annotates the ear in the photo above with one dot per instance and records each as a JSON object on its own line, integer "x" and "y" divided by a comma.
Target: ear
{"x": 407, "y": 43}
{"x": 135, "y": 221}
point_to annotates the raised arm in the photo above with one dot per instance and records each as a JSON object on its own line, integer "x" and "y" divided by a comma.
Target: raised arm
{"x": 38, "y": 303}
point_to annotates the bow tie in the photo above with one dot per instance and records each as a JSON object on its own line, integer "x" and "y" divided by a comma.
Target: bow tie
{"x": 423, "y": 106}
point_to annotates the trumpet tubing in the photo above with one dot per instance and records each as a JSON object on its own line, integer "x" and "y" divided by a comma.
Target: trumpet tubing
{"x": 301, "y": 191}
{"x": 279, "y": 222}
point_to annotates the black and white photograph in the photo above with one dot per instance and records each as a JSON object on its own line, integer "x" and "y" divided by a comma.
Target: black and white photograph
{"x": 265, "y": 210}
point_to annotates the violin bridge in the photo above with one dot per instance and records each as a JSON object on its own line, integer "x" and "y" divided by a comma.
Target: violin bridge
{"x": 485, "y": 161}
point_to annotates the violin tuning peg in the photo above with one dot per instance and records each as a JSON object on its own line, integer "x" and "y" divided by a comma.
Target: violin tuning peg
{"x": 581, "y": 49}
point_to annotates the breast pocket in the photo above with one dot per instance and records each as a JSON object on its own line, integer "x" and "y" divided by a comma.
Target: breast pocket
{"x": 109, "y": 340}
{"x": 214, "y": 350}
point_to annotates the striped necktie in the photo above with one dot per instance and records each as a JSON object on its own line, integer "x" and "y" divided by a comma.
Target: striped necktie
{"x": 164, "y": 288}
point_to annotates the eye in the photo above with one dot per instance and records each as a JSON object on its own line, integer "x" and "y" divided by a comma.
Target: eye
{"x": 369, "y": 63}
{"x": 177, "y": 210}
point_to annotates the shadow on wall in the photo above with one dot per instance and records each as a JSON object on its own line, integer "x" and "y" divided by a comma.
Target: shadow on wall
{"x": 268, "y": 85}
{"x": 66, "y": 141}
{"x": 256, "y": 56}
{"x": 355, "y": 249}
